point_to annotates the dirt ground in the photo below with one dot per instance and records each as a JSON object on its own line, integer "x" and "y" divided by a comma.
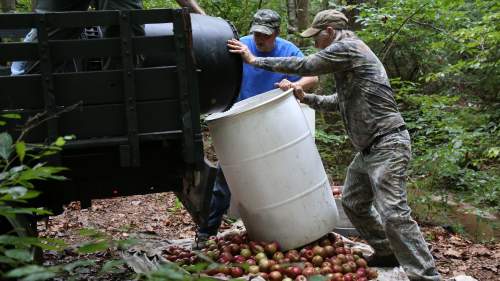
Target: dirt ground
{"x": 162, "y": 215}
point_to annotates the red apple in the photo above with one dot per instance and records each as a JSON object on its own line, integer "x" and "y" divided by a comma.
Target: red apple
{"x": 253, "y": 269}
{"x": 361, "y": 262}
{"x": 275, "y": 276}
{"x": 348, "y": 277}
{"x": 317, "y": 260}
{"x": 308, "y": 271}
{"x": 236, "y": 272}
{"x": 246, "y": 253}
{"x": 278, "y": 256}
{"x": 293, "y": 271}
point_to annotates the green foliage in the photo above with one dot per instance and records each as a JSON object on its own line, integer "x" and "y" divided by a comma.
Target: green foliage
{"x": 18, "y": 170}
{"x": 20, "y": 166}
{"x": 238, "y": 12}
{"x": 156, "y": 4}
{"x": 333, "y": 144}
{"x": 100, "y": 241}
{"x": 16, "y": 177}
{"x": 112, "y": 266}
{"x": 31, "y": 273}
{"x": 454, "y": 143}
{"x": 16, "y": 188}
{"x": 452, "y": 46}
{"x": 23, "y": 5}
{"x": 172, "y": 271}
{"x": 177, "y": 206}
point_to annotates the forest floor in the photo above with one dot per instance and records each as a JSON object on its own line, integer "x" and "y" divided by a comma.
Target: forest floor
{"x": 162, "y": 215}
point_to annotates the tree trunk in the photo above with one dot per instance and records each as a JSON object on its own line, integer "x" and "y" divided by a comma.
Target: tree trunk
{"x": 292, "y": 16}
{"x": 353, "y": 13}
{"x": 302, "y": 14}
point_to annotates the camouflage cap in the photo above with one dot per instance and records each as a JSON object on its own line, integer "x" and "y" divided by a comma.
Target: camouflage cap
{"x": 324, "y": 19}
{"x": 265, "y": 21}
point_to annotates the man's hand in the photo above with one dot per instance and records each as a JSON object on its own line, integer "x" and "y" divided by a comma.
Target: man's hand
{"x": 298, "y": 91}
{"x": 284, "y": 84}
{"x": 237, "y": 47}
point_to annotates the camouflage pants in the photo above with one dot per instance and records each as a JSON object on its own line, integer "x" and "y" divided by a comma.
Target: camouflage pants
{"x": 374, "y": 199}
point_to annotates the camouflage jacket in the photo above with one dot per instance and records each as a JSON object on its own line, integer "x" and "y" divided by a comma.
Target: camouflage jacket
{"x": 364, "y": 96}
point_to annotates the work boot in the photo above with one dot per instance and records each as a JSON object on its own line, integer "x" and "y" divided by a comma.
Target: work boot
{"x": 383, "y": 261}
{"x": 200, "y": 241}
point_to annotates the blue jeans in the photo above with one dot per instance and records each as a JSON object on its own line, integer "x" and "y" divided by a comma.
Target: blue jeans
{"x": 19, "y": 67}
{"x": 221, "y": 198}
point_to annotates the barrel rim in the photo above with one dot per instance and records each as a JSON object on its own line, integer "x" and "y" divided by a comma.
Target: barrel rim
{"x": 236, "y": 111}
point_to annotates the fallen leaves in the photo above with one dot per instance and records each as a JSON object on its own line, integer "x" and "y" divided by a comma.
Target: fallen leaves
{"x": 141, "y": 213}
{"x": 480, "y": 250}
{"x": 455, "y": 255}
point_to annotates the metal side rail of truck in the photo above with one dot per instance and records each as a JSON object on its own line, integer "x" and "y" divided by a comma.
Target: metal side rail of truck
{"x": 136, "y": 123}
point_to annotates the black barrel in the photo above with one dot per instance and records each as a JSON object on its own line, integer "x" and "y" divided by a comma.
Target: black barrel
{"x": 220, "y": 77}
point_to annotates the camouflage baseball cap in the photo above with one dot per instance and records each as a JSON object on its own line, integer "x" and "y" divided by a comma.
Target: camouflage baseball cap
{"x": 265, "y": 21}
{"x": 324, "y": 19}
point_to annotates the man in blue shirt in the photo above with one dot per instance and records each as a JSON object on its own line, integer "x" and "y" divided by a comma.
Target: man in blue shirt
{"x": 265, "y": 42}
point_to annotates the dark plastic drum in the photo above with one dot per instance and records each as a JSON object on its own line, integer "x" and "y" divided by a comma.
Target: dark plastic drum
{"x": 220, "y": 77}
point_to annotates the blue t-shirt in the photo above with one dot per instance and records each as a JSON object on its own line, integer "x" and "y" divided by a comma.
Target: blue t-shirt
{"x": 256, "y": 80}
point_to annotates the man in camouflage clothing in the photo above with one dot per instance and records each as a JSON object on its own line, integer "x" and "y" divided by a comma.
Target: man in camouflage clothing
{"x": 375, "y": 193}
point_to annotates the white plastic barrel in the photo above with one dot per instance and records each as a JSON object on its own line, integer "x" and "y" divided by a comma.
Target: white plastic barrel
{"x": 310, "y": 115}
{"x": 274, "y": 170}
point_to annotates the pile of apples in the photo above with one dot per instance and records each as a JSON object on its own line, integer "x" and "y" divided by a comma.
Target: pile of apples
{"x": 236, "y": 256}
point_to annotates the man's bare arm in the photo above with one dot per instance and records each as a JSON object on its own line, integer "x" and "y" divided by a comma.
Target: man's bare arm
{"x": 192, "y": 4}
{"x": 307, "y": 82}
